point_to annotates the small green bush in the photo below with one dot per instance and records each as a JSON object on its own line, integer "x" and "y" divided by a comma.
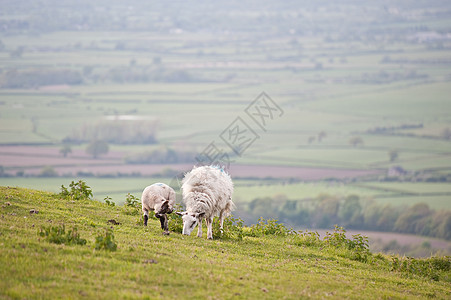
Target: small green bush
{"x": 433, "y": 268}
{"x": 358, "y": 246}
{"x": 77, "y": 191}
{"x": 132, "y": 206}
{"x": 175, "y": 222}
{"x": 232, "y": 229}
{"x": 308, "y": 238}
{"x": 132, "y": 201}
{"x": 106, "y": 241}
{"x": 269, "y": 227}
{"x": 58, "y": 235}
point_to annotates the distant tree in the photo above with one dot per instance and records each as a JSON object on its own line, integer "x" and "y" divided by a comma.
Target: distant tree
{"x": 48, "y": 171}
{"x": 65, "y": 150}
{"x": 321, "y": 135}
{"x": 388, "y": 217}
{"x": 87, "y": 70}
{"x": 18, "y": 52}
{"x": 156, "y": 60}
{"x": 413, "y": 219}
{"x": 442, "y": 225}
{"x": 446, "y": 133}
{"x": 356, "y": 141}
{"x": 350, "y": 212}
{"x": 393, "y": 155}
{"x": 372, "y": 215}
{"x": 120, "y": 46}
{"x": 311, "y": 139}
{"x": 325, "y": 213}
{"x": 97, "y": 147}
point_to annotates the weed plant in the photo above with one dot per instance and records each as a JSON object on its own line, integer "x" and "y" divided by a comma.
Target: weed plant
{"x": 232, "y": 229}
{"x": 108, "y": 201}
{"x": 432, "y": 268}
{"x": 77, "y": 191}
{"x": 268, "y": 227}
{"x": 358, "y": 246}
{"x": 132, "y": 207}
{"x": 132, "y": 201}
{"x": 58, "y": 235}
{"x": 175, "y": 222}
{"x": 105, "y": 241}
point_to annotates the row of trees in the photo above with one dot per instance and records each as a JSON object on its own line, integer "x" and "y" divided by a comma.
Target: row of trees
{"x": 34, "y": 78}
{"x": 135, "y": 74}
{"x": 327, "y": 211}
{"x": 116, "y": 132}
{"x": 95, "y": 148}
{"x": 162, "y": 155}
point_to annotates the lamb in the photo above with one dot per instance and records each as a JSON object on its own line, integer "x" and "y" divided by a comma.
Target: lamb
{"x": 207, "y": 192}
{"x": 161, "y": 198}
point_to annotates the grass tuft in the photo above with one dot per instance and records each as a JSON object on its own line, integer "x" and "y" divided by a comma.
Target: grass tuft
{"x": 58, "y": 235}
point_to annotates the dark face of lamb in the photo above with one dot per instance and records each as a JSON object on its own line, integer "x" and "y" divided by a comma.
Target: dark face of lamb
{"x": 163, "y": 208}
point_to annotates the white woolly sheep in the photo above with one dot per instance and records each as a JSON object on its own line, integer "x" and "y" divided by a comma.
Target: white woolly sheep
{"x": 207, "y": 192}
{"x": 160, "y": 198}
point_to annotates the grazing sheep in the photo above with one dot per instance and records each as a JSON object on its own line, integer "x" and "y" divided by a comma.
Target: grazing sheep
{"x": 161, "y": 198}
{"x": 207, "y": 192}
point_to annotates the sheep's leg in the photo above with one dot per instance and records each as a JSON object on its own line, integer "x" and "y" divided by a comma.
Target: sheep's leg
{"x": 146, "y": 217}
{"x": 209, "y": 222}
{"x": 199, "y": 230}
{"x": 164, "y": 223}
{"x": 221, "y": 222}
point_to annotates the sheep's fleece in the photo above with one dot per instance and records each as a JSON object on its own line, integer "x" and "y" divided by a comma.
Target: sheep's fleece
{"x": 207, "y": 192}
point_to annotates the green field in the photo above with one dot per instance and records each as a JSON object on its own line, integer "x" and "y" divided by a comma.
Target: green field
{"x": 146, "y": 264}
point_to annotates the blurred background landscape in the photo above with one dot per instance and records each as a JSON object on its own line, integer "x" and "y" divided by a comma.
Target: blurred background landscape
{"x": 123, "y": 95}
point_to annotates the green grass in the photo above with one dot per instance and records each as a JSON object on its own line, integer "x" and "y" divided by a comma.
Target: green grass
{"x": 147, "y": 264}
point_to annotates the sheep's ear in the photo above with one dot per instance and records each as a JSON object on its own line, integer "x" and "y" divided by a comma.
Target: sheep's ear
{"x": 181, "y": 213}
{"x": 200, "y": 215}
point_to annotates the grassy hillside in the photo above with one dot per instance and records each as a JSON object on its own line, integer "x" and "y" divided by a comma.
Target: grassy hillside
{"x": 146, "y": 264}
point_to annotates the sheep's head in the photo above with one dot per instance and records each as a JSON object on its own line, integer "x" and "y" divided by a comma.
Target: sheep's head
{"x": 162, "y": 207}
{"x": 190, "y": 221}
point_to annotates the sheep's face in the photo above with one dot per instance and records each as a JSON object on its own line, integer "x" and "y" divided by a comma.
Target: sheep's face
{"x": 190, "y": 221}
{"x": 162, "y": 207}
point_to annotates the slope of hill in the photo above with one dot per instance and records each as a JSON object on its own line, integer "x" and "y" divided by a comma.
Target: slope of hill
{"x": 147, "y": 264}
